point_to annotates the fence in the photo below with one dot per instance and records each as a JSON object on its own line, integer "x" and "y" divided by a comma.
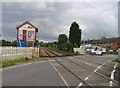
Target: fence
{"x": 11, "y": 53}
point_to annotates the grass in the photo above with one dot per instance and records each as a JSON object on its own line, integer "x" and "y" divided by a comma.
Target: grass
{"x": 116, "y": 60}
{"x": 13, "y": 62}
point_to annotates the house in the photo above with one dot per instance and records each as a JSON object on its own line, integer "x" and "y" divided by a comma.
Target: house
{"x": 27, "y": 35}
{"x": 106, "y": 42}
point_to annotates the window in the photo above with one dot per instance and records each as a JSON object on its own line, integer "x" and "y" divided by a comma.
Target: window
{"x": 24, "y": 32}
{"x": 31, "y": 34}
{"x": 20, "y": 34}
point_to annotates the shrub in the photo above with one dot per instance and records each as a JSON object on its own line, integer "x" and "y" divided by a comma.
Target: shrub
{"x": 26, "y": 58}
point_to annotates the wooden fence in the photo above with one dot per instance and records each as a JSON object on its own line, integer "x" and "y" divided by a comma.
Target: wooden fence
{"x": 11, "y": 53}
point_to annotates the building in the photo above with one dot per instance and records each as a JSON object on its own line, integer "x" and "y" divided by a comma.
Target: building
{"x": 27, "y": 35}
{"x": 106, "y": 42}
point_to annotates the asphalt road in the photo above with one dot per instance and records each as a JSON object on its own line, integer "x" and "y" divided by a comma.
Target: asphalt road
{"x": 35, "y": 74}
{"x": 50, "y": 73}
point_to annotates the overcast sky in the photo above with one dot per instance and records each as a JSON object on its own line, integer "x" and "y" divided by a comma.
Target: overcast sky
{"x": 96, "y": 19}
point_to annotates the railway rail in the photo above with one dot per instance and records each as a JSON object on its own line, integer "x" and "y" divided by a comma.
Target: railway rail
{"x": 93, "y": 72}
{"x": 94, "y": 67}
{"x": 97, "y": 63}
{"x": 76, "y": 76}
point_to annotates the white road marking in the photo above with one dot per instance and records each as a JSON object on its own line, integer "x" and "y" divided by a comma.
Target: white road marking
{"x": 86, "y": 78}
{"x": 88, "y": 64}
{"x": 80, "y": 84}
{"x": 24, "y": 65}
{"x": 102, "y": 65}
{"x": 95, "y": 70}
{"x": 59, "y": 74}
{"x": 70, "y": 57}
{"x": 112, "y": 74}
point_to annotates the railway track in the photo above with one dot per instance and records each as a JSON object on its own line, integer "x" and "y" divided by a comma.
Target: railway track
{"x": 96, "y": 67}
{"x": 92, "y": 71}
{"x": 97, "y": 63}
{"x": 57, "y": 54}
{"x": 76, "y": 76}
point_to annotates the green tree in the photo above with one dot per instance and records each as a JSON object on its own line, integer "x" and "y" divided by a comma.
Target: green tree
{"x": 75, "y": 34}
{"x": 41, "y": 44}
{"x": 5, "y": 43}
{"x": 62, "y": 38}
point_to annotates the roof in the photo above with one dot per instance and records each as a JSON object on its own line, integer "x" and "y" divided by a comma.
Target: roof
{"x": 106, "y": 40}
{"x": 27, "y": 22}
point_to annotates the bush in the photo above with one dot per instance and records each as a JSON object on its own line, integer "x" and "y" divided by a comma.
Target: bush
{"x": 66, "y": 46}
{"x": 26, "y": 58}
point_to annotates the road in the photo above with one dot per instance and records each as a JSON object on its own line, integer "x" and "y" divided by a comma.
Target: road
{"x": 93, "y": 70}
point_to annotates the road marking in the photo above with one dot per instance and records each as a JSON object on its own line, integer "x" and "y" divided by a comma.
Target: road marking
{"x": 112, "y": 74}
{"x": 90, "y": 75}
{"x": 70, "y": 57}
{"x": 86, "y": 78}
{"x": 88, "y": 64}
{"x": 24, "y": 65}
{"x": 79, "y": 85}
{"x": 59, "y": 74}
{"x": 101, "y": 65}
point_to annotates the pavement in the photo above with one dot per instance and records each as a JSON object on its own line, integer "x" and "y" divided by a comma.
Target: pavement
{"x": 50, "y": 73}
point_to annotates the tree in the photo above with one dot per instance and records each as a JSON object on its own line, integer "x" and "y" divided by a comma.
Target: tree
{"x": 5, "y": 43}
{"x": 62, "y": 38}
{"x": 75, "y": 34}
{"x": 103, "y": 37}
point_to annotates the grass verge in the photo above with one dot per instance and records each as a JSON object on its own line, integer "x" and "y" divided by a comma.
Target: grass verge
{"x": 13, "y": 62}
{"x": 116, "y": 60}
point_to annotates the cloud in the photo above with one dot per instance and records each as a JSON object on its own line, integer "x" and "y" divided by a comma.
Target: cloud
{"x": 60, "y": 0}
{"x": 96, "y": 19}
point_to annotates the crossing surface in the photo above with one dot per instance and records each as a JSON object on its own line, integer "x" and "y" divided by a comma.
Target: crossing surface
{"x": 82, "y": 70}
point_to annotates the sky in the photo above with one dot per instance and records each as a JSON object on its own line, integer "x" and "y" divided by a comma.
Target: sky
{"x": 95, "y": 19}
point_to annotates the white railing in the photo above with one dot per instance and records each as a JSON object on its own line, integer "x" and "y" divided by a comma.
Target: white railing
{"x": 11, "y": 53}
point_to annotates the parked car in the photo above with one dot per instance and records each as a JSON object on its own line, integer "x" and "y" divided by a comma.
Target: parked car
{"x": 88, "y": 49}
{"x": 94, "y": 50}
